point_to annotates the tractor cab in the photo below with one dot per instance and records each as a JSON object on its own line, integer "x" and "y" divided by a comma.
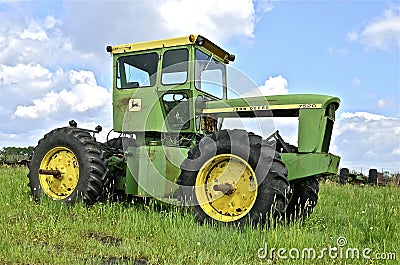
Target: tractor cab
{"x": 161, "y": 86}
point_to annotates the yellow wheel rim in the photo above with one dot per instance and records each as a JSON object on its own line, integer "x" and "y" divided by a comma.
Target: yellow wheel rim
{"x": 226, "y": 187}
{"x": 63, "y": 160}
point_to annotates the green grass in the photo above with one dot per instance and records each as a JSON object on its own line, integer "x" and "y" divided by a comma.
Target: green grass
{"x": 121, "y": 233}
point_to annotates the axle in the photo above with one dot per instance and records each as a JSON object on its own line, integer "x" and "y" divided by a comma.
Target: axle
{"x": 55, "y": 173}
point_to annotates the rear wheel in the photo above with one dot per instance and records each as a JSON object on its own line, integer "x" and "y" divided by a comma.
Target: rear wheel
{"x": 234, "y": 177}
{"x": 67, "y": 165}
{"x": 303, "y": 198}
{"x": 373, "y": 176}
{"x": 343, "y": 175}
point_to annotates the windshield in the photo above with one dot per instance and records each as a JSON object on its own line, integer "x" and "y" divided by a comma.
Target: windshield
{"x": 210, "y": 75}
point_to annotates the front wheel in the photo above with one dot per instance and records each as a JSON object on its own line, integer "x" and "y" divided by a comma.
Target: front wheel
{"x": 67, "y": 165}
{"x": 234, "y": 177}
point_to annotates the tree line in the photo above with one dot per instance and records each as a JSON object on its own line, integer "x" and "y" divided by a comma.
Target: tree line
{"x": 10, "y": 155}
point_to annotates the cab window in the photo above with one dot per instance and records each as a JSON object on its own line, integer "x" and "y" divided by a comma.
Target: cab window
{"x": 137, "y": 70}
{"x": 175, "y": 67}
{"x": 209, "y": 74}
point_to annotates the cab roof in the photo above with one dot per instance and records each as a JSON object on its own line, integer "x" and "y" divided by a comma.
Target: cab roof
{"x": 173, "y": 42}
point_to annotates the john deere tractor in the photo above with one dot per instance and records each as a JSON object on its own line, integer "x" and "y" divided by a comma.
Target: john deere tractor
{"x": 170, "y": 104}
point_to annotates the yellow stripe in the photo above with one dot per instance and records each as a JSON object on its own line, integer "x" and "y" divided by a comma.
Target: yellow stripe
{"x": 157, "y": 44}
{"x": 172, "y": 42}
{"x": 263, "y": 107}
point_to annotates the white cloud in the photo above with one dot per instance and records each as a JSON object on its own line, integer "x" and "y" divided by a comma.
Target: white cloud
{"x": 210, "y": 18}
{"x": 382, "y": 32}
{"x": 84, "y": 95}
{"x": 145, "y": 20}
{"x": 32, "y": 75}
{"x": 41, "y": 108}
{"x": 363, "y": 116}
{"x": 23, "y": 82}
{"x": 367, "y": 140}
{"x": 274, "y": 85}
{"x": 36, "y": 30}
{"x": 34, "y": 41}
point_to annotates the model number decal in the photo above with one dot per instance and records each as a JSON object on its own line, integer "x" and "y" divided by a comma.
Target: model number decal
{"x": 308, "y": 106}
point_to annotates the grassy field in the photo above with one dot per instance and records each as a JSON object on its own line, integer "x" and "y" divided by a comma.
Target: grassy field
{"x": 347, "y": 220}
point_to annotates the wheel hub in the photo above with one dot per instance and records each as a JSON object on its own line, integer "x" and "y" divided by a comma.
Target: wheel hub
{"x": 226, "y": 187}
{"x": 59, "y": 173}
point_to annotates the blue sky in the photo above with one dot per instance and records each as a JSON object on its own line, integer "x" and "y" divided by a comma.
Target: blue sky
{"x": 308, "y": 43}
{"x": 53, "y": 66}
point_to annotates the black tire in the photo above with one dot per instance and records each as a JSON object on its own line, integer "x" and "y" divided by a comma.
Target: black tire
{"x": 373, "y": 176}
{"x": 303, "y": 198}
{"x": 270, "y": 172}
{"x": 343, "y": 175}
{"x": 80, "y": 154}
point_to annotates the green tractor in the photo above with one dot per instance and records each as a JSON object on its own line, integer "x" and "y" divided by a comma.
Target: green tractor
{"x": 170, "y": 101}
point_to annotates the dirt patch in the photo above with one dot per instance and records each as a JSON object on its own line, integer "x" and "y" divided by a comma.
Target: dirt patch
{"x": 105, "y": 239}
